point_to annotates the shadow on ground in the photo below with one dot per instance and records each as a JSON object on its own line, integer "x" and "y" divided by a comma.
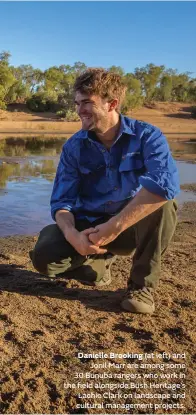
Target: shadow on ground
{"x": 16, "y": 280}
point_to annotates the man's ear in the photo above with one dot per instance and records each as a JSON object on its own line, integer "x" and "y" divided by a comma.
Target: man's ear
{"x": 113, "y": 104}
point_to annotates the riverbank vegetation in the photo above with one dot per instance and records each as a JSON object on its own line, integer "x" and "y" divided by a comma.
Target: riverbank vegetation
{"x": 51, "y": 90}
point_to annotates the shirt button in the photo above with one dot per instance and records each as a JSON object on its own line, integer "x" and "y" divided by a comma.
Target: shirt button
{"x": 115, "y": 188}
{"x": 103, "y": 151}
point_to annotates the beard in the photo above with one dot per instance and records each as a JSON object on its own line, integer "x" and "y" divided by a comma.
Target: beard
{"x": 87, "y": 123}
{"x": 96, "y": 122}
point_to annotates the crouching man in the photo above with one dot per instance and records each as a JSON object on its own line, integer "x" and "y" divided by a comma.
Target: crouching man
{"x": 113, "y": 193}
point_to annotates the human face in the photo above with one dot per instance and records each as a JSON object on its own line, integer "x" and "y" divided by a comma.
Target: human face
{"x": 93, "y": 112}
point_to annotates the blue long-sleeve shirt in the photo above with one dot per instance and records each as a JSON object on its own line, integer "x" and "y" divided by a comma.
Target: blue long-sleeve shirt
{"x": 92, "y": 181}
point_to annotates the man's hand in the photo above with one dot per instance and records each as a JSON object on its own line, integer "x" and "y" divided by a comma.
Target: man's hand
{"x": 79, "y": 240}
{"x": 102, "y": 234}
{"x": 82, "y": 244}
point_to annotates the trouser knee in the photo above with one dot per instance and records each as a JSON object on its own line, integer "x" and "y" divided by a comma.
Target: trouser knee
{"x": 52, "y": 254}
{"x": 48, "y": 249}
{"x": 39, "y": 261}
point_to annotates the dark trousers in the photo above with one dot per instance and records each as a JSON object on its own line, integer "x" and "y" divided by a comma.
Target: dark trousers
{"x": 149, "y": 238}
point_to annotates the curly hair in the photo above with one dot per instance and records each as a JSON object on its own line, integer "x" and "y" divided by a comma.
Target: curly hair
{"x": 98, "y": 81}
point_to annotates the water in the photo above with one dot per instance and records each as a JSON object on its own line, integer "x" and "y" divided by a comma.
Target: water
{"x": 27, "y": 170}
{"x": 187, "y": 173}
{"x": 188, "y": 147}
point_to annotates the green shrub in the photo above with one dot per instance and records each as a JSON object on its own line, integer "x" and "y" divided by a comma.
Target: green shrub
{"x": 43, "y": 101}
{"x": 61, "y": 113}
{"x": 2, "y": 105}
{"x": 72, "y": 116}
{"x": 2, "y": 98}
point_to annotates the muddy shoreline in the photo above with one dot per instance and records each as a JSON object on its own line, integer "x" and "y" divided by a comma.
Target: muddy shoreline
{"x": 189, "y": 187}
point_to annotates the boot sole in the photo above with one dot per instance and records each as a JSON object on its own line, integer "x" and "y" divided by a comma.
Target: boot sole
{"x": 137, "y": 307}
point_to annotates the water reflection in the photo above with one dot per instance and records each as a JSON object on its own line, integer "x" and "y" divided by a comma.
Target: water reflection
{"x": 21, "y": 172}
{"x": 20, "y": 147}
{"x": 185, "y": 147}
{"x": 22, "y": 159}
{"x": 27, "y": 170}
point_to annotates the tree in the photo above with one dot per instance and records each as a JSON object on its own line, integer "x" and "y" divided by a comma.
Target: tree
{"x": 117, "y": 69}
{"x": 79, "y": 67}
{"x": 53, "y": 88}
{"x": 7, "y": 79}
{"x": 2, "y": 98}
{"x": 65, "y": 68}
{"x": 4, "y": 57}
{"x": 53, "y": 79}
{"x": 165, "y": 90}
{"x": 133, "y": 96}
{"x": 149, "y": 77}
{"x": 29, "y": 76}
{"x": 17, "y": 93}
{"x": 192, "y": 90}
{"x": 180, "y": 84}
{"x": 43, "y": 101}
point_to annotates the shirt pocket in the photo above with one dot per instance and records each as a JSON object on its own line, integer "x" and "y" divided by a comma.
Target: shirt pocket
{"x": 132, "y": 168}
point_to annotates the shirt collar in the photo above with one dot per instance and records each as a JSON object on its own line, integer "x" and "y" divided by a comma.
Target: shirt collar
{"x": 126, "y": 127}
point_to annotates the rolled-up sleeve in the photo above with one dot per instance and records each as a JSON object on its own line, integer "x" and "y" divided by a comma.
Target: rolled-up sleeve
{"x": 161, "y": 176}
{"x": 66, "y": 183}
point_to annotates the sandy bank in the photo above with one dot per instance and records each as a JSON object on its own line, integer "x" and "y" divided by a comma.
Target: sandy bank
{"x": 172, "y": 118}
{"x": 45, "y": 323}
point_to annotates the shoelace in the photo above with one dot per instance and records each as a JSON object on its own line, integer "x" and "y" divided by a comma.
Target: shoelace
{"x": 143, "y": 293}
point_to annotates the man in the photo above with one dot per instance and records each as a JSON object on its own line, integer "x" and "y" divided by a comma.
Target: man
{"x": 113, "y": 193}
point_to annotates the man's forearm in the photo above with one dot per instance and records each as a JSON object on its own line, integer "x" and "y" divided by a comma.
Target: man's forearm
{"x": 66, "y": 222}
{"x": 143, "y": 204}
